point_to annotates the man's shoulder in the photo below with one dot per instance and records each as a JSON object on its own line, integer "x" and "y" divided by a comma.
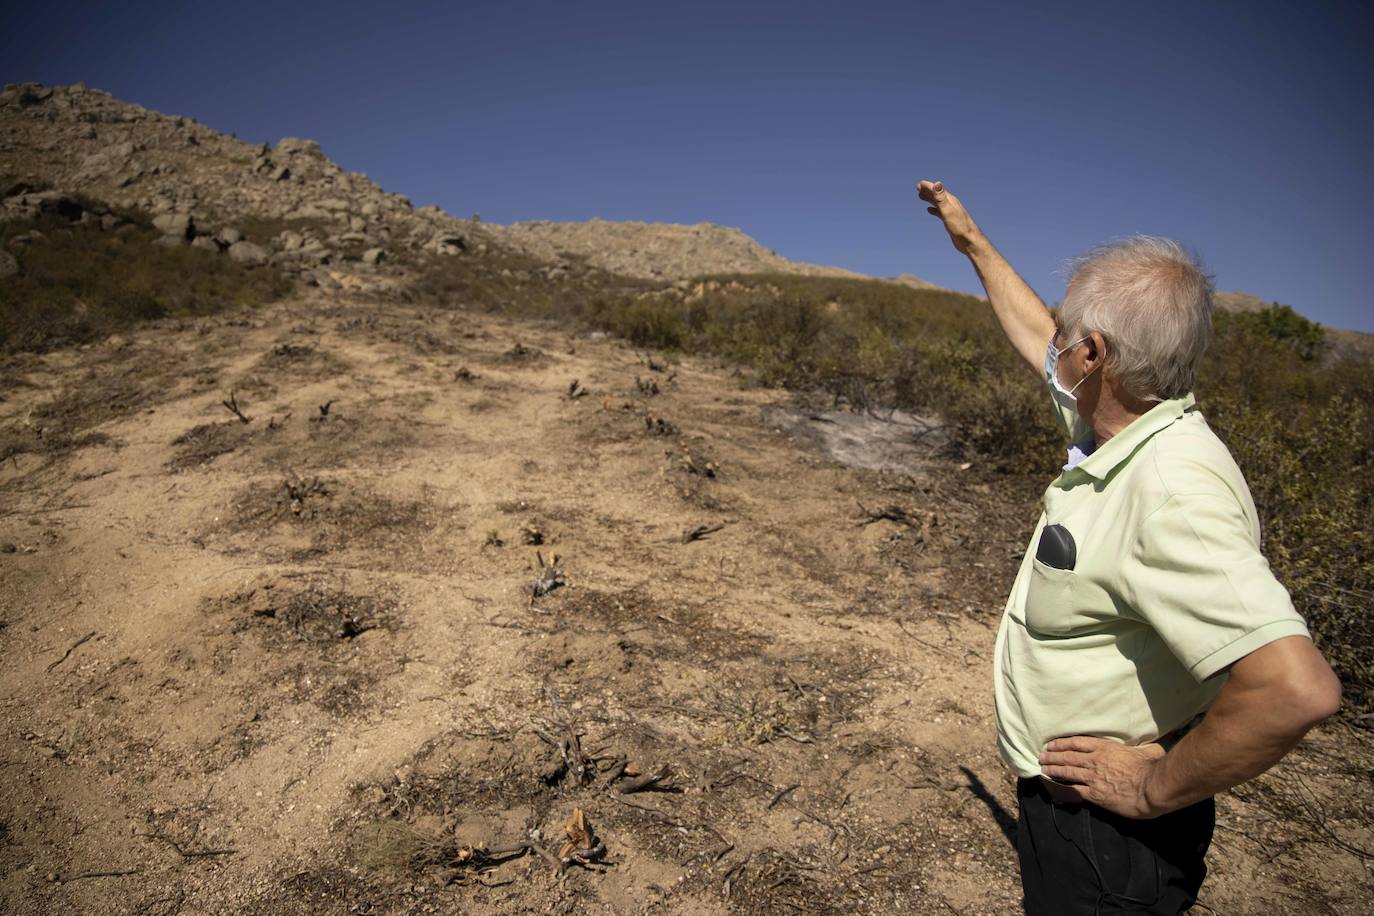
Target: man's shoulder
{"x": 1188, "y": 458}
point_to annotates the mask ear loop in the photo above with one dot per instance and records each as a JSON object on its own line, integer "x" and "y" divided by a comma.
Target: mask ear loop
{"x": 1090, "y": 371}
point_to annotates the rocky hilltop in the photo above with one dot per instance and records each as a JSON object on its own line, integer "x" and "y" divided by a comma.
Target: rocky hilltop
{"x": 287, "y": 203}
{"x": 292, "y": 205}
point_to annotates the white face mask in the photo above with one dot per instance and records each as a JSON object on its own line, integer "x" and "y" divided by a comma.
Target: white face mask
{"x": 1064, "y": 396}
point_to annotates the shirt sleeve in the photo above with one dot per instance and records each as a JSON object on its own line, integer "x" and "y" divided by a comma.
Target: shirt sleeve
{"x": 1198, "y": 578}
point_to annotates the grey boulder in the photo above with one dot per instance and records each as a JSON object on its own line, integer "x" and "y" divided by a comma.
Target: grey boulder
{"x": 178, "y": 225}
{"x": 248, "y": 254}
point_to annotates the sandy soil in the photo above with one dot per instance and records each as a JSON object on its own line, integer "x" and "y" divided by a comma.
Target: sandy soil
{"x": 295, "y": 665}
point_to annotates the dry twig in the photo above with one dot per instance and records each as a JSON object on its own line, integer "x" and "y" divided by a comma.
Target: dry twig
{"x": 232, "y": 405}
{"x": 70, "y": 649}
{"x": 699, "y": 532}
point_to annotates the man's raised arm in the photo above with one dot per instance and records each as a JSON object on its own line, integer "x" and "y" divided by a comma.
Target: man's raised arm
{"x": 1024, "y": 318}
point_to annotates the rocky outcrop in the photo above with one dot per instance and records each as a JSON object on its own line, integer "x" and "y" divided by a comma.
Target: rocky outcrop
{"x": 289, "y": 203}
{"x": 28, "y": 204}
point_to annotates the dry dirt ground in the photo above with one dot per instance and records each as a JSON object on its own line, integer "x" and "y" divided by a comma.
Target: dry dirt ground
{"x": 296, "y": 665}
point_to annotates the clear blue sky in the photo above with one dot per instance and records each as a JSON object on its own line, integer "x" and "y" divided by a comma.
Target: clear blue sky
{"x": 1242, "y": 129}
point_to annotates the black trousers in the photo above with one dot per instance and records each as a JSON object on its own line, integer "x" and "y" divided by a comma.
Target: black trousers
{"x": 1085, "y": 859}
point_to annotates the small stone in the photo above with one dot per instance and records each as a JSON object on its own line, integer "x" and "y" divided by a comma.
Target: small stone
{"x": 374, "y": 256}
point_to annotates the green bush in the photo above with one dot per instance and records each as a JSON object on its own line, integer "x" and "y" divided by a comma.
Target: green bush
{"x": 1284, "y": 326}
{"x": 1303, "y": 433}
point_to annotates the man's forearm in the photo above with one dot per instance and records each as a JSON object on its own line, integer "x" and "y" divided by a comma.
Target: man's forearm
{"x": 1022, "y": 314}
{"x": 1024, "y": 318}
{"x": 1232, "y": 744}
{"x": 1270, "y": 700}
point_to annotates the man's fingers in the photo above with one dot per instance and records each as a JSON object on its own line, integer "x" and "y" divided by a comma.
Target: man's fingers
{"x": 1067, "y": 759}
{"x": 1075, "y": 743}
{"x": 933, "y": 191}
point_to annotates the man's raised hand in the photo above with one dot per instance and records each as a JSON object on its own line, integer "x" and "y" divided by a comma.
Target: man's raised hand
{"x": 960, "y": 226}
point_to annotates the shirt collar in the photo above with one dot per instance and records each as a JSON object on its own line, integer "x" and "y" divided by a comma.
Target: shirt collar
{"x": 1116, "y": 450}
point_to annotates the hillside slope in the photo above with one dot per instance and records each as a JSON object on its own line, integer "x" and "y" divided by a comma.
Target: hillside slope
{"x": 319, "y": 605}
{"x": 297, "y": 665}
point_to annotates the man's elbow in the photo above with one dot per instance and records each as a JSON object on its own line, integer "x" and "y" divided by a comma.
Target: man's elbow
{"x": 1293, "y": 684}
{"x": 1314, "y": 698}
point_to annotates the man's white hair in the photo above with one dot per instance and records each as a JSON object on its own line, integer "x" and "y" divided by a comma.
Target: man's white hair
{"x": 1152, "y": 302}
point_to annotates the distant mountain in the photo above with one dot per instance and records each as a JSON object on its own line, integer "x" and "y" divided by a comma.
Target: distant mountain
{"x": 1239, "y": 302}
{"x": 665, "y": 251}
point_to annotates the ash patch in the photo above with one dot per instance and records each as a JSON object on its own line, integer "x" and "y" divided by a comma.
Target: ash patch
{"x": 895, "y": 441}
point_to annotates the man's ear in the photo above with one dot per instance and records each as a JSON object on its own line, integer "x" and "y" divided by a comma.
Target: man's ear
{"x": 1097, "y": 347}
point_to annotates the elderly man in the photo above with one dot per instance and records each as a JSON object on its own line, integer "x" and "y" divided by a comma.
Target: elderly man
{"x": 1143, "y": 600}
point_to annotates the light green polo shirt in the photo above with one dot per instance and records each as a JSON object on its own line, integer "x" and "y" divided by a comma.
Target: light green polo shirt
{"x": 1168, "y": 589}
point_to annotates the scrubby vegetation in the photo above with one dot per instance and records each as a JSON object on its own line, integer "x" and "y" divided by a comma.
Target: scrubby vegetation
{"x": 1300, "y": 424}
{"x": 77, "y": 282}
{"x": 1301, "y": 428}
{"x": 1297, "y": 420}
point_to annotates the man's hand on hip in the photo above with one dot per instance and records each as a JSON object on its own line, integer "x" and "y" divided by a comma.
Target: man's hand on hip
{"x": 1107, "y": 773}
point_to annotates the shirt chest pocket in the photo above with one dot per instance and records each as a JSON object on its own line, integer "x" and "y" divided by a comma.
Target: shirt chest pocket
{"x": 1061, "y": 602}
